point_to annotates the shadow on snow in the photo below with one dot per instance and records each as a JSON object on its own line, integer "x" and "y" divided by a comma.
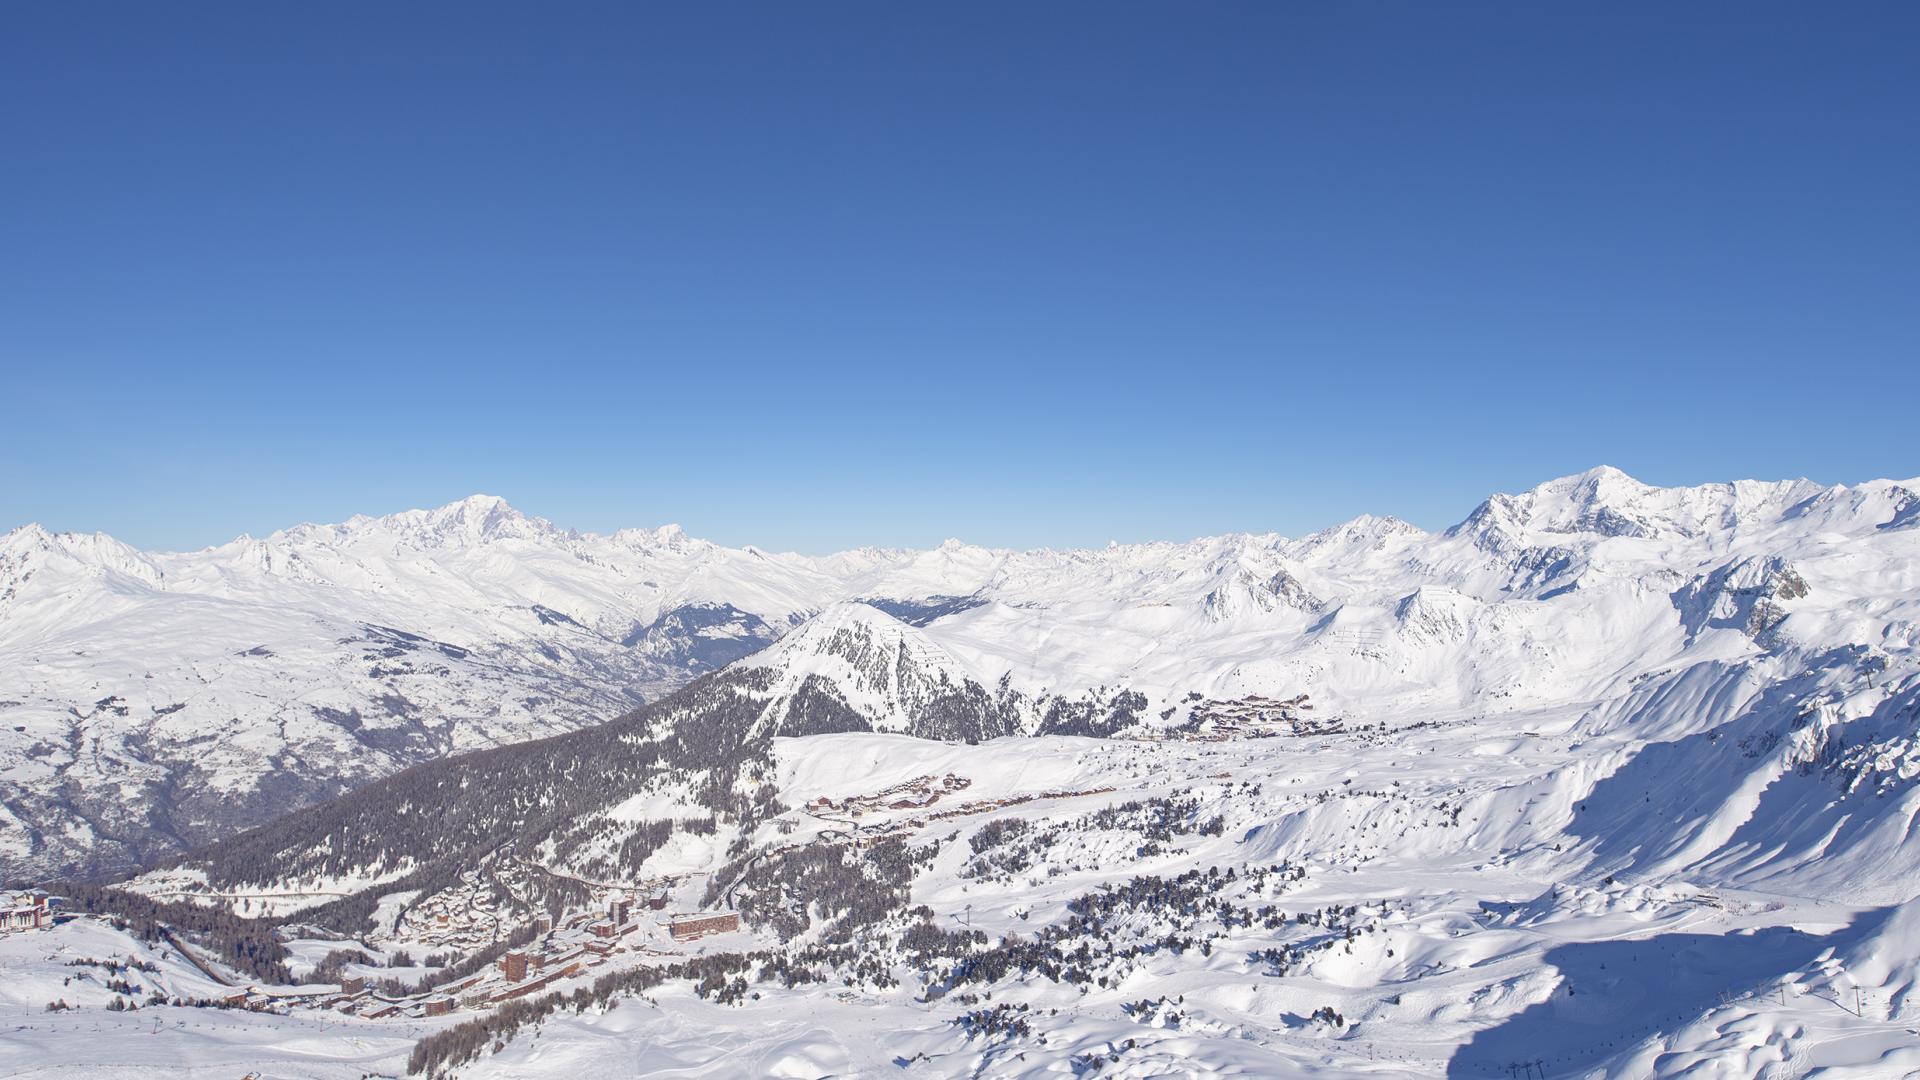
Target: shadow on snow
{"x": 1614, "y": 994}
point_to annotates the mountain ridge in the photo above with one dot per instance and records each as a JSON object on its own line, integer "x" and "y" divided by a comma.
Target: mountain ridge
{"x": 242, "y": 680}
{"x": 1589, "y": 485}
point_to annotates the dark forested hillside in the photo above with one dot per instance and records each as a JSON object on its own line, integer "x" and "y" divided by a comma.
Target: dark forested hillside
{"x": 435, "y": 818}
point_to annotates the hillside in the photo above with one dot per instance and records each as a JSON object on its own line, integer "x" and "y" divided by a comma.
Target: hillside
{"x": 154, "y": 702}
{"x": 1605, "y": 780}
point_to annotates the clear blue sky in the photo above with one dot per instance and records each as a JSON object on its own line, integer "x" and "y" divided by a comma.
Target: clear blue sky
{"x": 810, "y": 275}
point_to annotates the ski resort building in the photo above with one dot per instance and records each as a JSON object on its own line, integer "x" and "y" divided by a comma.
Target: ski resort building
{"x": 688, "y": 927}
{"x": 26, "y": 911}
{"x": 541, "y": 983}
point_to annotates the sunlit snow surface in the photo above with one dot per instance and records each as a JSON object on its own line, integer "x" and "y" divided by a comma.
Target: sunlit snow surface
{"x": 1502, "y": 949}
{"x": 1625, "y": 785}
{"x": 150, "y": 701}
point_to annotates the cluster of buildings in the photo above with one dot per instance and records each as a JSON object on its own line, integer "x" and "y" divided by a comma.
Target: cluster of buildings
{"x": 352, "y": 997}
{"x": 915, "y": 794}
{"x": 561, "y": 950}
{"x": 1255, "y": 717}
{"x": 461, "y": 922}
{"x": 584, "y": 941}
{"x": 982, "y": 806}
{"x": 918, "y": 794}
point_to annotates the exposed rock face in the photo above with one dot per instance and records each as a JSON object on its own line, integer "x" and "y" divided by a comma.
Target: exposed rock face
{"x": 1751, "y": 595}
{"x": 1248, "y": 592}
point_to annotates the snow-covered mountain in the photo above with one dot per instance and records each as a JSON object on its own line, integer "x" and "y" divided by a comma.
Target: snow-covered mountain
{"x": 1606, "y": 780}
{"x": 1569, "y": 592}
{"x": 150, "y": 702}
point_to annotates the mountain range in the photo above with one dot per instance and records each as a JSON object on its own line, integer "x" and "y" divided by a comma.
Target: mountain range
{"x": 1606, "y": 780}
{"x": 153, "y": 702}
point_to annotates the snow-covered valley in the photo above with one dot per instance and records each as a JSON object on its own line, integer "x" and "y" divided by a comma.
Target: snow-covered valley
{"x": 1608, "y": 780}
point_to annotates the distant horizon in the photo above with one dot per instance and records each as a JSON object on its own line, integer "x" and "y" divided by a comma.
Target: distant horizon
{"x": 696, "y": 534}
{"x": 812, "y": 277}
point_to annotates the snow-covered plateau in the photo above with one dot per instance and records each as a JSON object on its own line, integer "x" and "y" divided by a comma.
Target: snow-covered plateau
{"x": 1606, "y": 780}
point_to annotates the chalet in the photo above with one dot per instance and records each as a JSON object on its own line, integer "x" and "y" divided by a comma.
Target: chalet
{"x": 689, "y": 927}
{"x": 26, "y": 911}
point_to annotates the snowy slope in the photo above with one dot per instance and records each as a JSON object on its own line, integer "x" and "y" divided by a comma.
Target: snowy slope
{"x": 151, "y": 701}
{"x": 1570, "y": 592}
{"x": 154, "y": 701}
{"x": 1607, "y": 780}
